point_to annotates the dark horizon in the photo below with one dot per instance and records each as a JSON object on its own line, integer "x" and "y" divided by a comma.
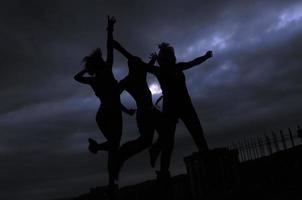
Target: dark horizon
{"x": 251, "y": 86}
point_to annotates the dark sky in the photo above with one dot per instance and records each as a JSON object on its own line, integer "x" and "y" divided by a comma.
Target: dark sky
{"x": 251, "y": 86}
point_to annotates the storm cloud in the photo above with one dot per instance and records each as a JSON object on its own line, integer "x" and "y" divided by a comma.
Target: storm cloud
{"x": 252, "y": 84}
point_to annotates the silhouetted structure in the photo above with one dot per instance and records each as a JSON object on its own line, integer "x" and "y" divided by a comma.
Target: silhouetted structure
{"x": 299, "y": 132}
{"x": 147, "y": 190}
{"x": 220, "y": 175}
{"x": 254, "y": 148}
{"x": 214, "y": 173}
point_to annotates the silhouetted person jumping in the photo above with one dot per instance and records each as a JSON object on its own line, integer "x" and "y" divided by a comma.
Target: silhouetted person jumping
{"x": 177, "y": 103}
{"x": 103, "y": 83}
{"x": 148, "y": 117}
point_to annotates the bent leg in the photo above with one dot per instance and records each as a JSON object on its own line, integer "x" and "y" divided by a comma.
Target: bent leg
{"x": 110, "y": 124}
{"x": 131, "y": 148}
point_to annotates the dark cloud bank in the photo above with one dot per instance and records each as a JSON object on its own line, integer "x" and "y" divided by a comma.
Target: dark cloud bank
{"x": 252, "y": 84}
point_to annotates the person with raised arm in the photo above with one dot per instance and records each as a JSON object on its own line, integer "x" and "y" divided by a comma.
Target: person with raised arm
{"x": 177, "y": 103}
{"x": 98, "y": 74}
{"x": 148, "y": 117}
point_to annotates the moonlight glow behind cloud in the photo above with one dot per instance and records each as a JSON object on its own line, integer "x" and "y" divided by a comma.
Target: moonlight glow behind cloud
{"x": 251, "y": 86}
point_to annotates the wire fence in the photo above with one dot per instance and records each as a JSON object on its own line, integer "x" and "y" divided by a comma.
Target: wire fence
{"x": 252, "y": 148}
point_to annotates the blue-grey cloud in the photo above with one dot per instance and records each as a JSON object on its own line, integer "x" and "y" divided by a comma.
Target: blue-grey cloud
{"x": 250, "y": 86}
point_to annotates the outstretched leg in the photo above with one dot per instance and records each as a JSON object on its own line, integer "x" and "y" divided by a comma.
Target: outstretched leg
{"x": 129, "y": 149}
{"x": 190, "y": 119}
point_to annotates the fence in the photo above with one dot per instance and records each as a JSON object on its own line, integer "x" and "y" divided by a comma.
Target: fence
{"x": 260, "y": 146}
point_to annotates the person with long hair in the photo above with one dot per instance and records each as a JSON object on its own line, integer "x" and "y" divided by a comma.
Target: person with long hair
{"x": 148, "y": 117}
{"x": 109, "y": 115}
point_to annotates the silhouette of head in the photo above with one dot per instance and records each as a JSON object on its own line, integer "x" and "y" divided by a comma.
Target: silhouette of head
{"x": 166, "y": 55}
{"x": 94, "y": 61}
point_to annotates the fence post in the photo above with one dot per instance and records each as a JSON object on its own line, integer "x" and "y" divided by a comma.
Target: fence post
{"x": 291, "y": 137}
{"x": 244, "y": 151}
{"x": 299, "y": 133}
{"x": 260, "y": 145}
{"x": 248, "y": 155}
{"x": 249, "y": 149}
{"x": 256, "y": 147}
{"x": 283, "y": 140}
{"x": 240, "y": 149}
{"x": 269, "y": 145}
{"x": 275, "y": 141}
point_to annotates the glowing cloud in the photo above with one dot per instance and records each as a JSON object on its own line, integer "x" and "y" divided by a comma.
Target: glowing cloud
{"x": 155, "y": 88}
{"x": 291, "y": 15}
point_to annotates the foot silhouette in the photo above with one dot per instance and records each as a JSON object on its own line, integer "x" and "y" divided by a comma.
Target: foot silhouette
{"x": 93, "y": 146}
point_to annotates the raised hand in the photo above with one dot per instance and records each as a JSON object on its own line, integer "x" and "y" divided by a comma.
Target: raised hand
{"x": 110, "y": 22}
{"x": 153, "y": 56}
{"x": 209, "y": 54}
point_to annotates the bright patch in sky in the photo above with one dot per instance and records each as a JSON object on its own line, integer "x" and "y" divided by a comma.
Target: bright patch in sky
{"x": 218, "y": 42}
{"x": 291, "y": 15}
{"x": 155, "y": 88}
{"x": 226, "y": 73}
{"x": 41, "y": 111}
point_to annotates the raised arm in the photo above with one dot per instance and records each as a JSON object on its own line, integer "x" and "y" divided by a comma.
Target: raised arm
{"x": 122, "y": 50}
{"x": 153, "y": 58}
{"x": 80, "y": 77}
{"x": 149, "y": 67}
{"x": 110, "y": 25}
{"x": 196, "y": 61}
